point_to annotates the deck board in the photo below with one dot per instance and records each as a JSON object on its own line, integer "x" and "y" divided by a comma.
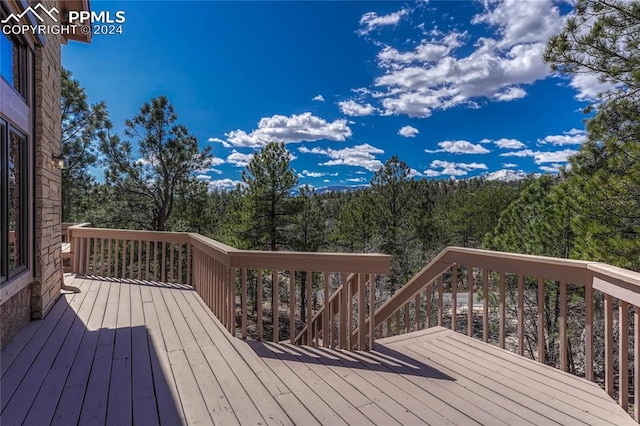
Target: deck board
{"x": 131, "y": 352}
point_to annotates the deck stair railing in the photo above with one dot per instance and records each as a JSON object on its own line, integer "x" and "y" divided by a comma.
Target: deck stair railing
{"x": 235, "y": 284}
{"x": 578, "y": 316}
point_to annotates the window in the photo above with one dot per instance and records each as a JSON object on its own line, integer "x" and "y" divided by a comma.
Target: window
{"x": 14, "y": 202}
{"x": 13, "y": 64}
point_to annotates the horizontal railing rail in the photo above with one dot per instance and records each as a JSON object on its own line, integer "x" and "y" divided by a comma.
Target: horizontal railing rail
{"x": 571, "y": 314}
{"x": 253, "y": 293}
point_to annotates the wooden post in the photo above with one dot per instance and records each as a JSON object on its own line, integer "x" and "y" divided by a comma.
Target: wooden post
{"x": 372, "y": 311}
{"x": 485, "y": 304}
{"x": 275, "y": 302}
{"x": 326, "y": 312}
{"x": 588, "y": 330}
{"x": 470, "y": 283}
{"x": 309, "y": 308}
{"x": 608, "y": 344}
{"x": 259, "y": 303}
{"x": 502, "y": 313}
{"x": 541, "y": 338}
{"x": 454, "y": 297}
{"x": 563, "y": 326}
{"x": 520, "y": 314}
{"x": 623, "y": 355}
{"x": 244, "y": 302}
{"x": 292, "y": 307}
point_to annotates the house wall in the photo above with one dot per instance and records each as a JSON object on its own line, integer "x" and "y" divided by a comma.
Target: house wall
{"x": 48, "y": 256}
{"x": 14, "y": 314}
{"x": 35, "y": 300}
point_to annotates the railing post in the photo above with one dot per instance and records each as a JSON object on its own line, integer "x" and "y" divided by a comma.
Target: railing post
{"x": 563, "y": 325}
{"x": 541, "y": 339}
{"x": 292, "y": 306}
{"x": 520, "y": 314}
{"x": 372, "y": 311}
{"x": 326, "y": 312}
{"x": 608, "y": 344}
{"x": 623, "y": 355}
{"x": 485, "y": 304}
{"x": 309, "y": 319}
{"x": 275, "y": 289}
{"x": 454, "y": 297}
{"x": 502, "y": 313}
{"x": 588, "y": 330}
{"x": 259, "y": 303}
{"x": 361, "y": 312}
{"x": 244, "y": 303}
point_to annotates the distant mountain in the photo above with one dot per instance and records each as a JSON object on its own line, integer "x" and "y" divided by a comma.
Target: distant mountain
{"x": 340, "y": 188}
{"x": 506, "y": 175}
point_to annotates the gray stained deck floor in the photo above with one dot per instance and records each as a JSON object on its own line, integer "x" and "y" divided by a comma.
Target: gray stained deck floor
{"x": 122, "y": 353}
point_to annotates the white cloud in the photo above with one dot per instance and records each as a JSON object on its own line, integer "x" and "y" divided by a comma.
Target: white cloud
{"x": 459, "y": 147}
{"x": 511, "y": 93}
{"x": 522, "y": 153}
{"x": 509, "y": 165}
{"x": 358, "y": 180}
{"x": 427, "y": 51}
{"x": 318, "y": 98}
{"x": 370, "y": 20}
{"x": 541, "y": 157}
{"x": 239, "y": 159}
{"x": 281, "y": 128}
{"x": 307, "y": 173}
{"x": 521, "y": 22}
{"x": 414, "y": 173}
{"x": 509, "y": 143}
{"x": 223, "y": 184}
{"x": 214, "y": 161}
{"x": 448, "y": 168}
{"x": 487, "y": 72}
{"x": 326, "y": 180}
{"x": 356, "y": 156}
{"x": 438, "y": 74}
{"x": 354, "y": 109}
{"x": 588, "y": 86}
{"x": 553, "y": 157}
{"x": 553, "y": 168}
{"x": 408, "y": 131}
{"x": 572, "y": 137}
{"x": 209, "y": 170}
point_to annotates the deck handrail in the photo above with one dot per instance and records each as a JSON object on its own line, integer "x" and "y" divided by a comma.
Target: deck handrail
{"x": 222, "y": 274}
{"x": 487, "y": 275}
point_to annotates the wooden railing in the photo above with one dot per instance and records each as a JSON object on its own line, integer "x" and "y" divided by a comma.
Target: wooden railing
{"x": 557, "y": 311}
{"x": 295, "y": 285}
{"x": 64, "y": 228}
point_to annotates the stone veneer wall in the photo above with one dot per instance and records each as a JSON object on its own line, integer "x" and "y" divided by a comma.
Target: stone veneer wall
{"x": 14, "y": 314}
{"x": 48, "y": 256}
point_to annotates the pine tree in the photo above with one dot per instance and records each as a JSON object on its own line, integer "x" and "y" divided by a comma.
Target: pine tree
{"x": 169, "y": 157}
{"x": 81, "y": 126}
{"x": 268, "y": 205}
{"x": 603, "y": 39}
{"x": 393, "y": 200}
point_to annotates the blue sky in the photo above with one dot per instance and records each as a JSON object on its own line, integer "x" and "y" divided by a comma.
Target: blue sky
{"x": 453, "y": 88}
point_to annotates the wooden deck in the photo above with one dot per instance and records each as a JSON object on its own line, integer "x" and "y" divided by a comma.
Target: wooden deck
{"x": 123, "y": 353}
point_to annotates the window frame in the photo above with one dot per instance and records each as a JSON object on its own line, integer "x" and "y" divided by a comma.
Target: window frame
{"x": 17, "y": 114}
